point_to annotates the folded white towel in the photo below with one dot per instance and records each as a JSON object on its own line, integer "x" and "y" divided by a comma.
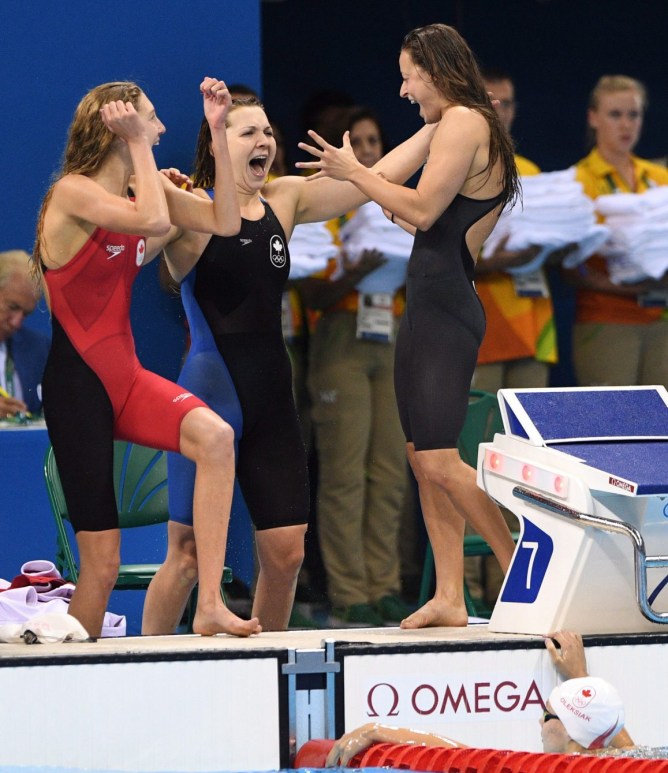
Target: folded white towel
{"x": 311, "y": 246}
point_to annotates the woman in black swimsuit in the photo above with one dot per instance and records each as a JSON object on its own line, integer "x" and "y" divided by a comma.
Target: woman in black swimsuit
{"x": 469, "y": 177}
{"x": 232, "y": 290}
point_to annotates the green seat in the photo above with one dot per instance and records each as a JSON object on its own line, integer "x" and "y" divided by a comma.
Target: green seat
{"x": 140, "y": 483}
{"x": 483, "y": 420}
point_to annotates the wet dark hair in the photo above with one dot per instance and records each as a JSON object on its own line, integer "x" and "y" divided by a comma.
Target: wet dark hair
{"x": 204, "y": 165}
{"x": 444, "y": 55}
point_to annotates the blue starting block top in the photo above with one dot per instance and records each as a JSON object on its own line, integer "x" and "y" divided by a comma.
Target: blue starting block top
{"x": 619, "y": 430}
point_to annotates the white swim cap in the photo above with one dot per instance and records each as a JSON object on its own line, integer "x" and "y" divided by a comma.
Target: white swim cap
{"x": 591, "y": 710}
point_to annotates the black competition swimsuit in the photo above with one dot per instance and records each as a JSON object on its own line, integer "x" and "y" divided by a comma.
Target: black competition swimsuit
{"x": 442, "y": 329}
{"x": 239, "y": 361}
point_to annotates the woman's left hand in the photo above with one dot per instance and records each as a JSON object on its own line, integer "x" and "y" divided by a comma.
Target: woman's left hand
{"x": 178, "y": 178}
{"x": 217, "y": 101}
{"x": 337, "y": 163}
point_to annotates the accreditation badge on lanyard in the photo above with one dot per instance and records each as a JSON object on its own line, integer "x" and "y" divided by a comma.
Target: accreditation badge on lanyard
{"x": 531, "y": 285}
{"x": 654, "y": 299}
{"x": 375, "y": 317}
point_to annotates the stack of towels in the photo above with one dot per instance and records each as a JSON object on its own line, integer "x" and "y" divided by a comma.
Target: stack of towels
{"x": 311, "y": 246}
{"x": 554, "y": 212}
{"x": 369, "y": 229}
{"x": 638, "y": 244}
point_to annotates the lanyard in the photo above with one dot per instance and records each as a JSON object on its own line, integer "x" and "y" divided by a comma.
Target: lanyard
{"x": 9, "y": 369}
{"x": 614, "y": 188}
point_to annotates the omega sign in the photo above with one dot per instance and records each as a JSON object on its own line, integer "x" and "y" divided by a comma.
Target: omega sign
{"x": 451, "y": 701}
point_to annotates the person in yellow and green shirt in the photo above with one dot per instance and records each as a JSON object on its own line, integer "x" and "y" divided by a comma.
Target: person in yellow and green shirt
{"x": 620, "y": 336}
{"x": 362, "y": 472}
{"x": 520, "y": 341}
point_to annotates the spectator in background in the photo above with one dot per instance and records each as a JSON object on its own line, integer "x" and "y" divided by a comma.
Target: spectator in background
{"x": 359, "y": 441}
{"x": 620, "y": 335}
{"x": 23, "y": 352}
{"x": 520, "y": 342}
{"x": 326, "y": 112}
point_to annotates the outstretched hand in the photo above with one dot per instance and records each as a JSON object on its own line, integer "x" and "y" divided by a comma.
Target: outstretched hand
{"x": 123, "y": 120}
{"x": 217, "y": 101}
{"x": 569, "y": 656}
{"x": 337, "y": 163}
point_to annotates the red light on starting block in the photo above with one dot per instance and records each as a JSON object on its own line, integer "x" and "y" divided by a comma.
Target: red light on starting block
{"x": 560, "y": 485}
{"x": 493, "y": 461}
{"x": 527, "y": 473}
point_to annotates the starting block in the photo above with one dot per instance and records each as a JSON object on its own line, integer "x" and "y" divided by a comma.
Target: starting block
{"x": 586, "y": 472}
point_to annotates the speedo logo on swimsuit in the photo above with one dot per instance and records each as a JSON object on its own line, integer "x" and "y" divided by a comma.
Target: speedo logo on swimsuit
{"x": 277, "y": 251}
{"x": 621, "y": 484}
{"x": 114, "y": 249}
{"x": 183, "y": 396}
{"x": 244, "y": 242}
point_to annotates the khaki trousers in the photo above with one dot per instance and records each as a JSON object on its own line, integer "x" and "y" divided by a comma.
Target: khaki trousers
{"x": 361, "y": 461}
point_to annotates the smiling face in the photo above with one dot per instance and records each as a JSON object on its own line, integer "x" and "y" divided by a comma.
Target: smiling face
{"x": 146, "y": 110}
{"x": 418, "y": 88}
{"x": 252, "y": 146}
{"x": 617, "y": 120}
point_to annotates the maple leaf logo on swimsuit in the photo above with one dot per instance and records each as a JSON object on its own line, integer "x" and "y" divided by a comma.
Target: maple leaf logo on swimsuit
{"x": 277, "y": 252}
{"x": 141, "y": 251}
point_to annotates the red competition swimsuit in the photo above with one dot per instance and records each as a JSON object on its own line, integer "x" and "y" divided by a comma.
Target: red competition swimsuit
{"x": 95, "y": 388}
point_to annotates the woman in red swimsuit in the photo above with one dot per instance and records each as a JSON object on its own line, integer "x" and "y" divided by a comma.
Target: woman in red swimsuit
{"x": 91, "y": 241}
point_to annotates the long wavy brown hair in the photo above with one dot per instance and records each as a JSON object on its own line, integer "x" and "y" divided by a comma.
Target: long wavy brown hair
{"x": 88, "y": 144}
{"x": 444, "y": 55}
{"x": 204, "y": 165}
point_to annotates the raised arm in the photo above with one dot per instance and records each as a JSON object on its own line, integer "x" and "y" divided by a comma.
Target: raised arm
{"x": 457, "y": 149}
{"x": 79, "y": 198}
{"x": 321, "y": 198}
{"x": 360, "y": 739}
{"x": 567, "y": 652}
{"x": 198, "y": 213}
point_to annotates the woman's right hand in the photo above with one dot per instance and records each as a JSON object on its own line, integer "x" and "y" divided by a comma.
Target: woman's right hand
{"x": 123, "y": 120}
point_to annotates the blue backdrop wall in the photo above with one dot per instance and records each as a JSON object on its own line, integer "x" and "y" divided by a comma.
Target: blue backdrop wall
{"x": 52, "y": 53}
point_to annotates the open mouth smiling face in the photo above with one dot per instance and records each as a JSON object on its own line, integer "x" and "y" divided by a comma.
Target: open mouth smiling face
{"x": 258, "y": 165}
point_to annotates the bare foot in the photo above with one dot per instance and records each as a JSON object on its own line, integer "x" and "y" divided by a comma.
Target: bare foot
{"x": 436, "y": 614}
{"x": 224, "y": 621}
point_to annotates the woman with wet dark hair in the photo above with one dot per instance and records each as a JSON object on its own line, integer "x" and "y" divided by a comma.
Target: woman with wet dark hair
{"x": 469, "y": 177}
